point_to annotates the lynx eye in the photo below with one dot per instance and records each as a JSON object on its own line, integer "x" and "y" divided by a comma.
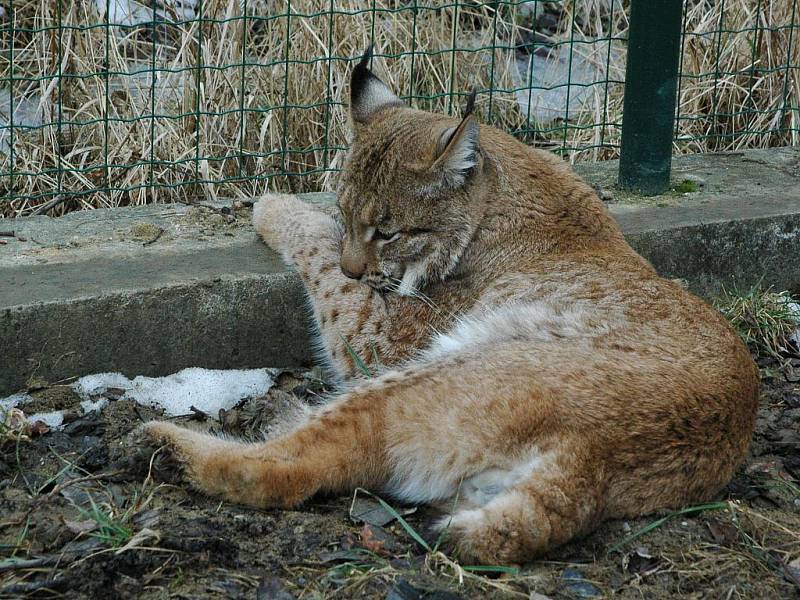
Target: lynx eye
{"x": 385, "y": 236}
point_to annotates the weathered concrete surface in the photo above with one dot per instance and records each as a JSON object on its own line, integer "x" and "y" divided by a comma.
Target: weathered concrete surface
{"x": 742, "y": 225}
{"x": 109, "y": 290}
{"x": 88, "y": 293}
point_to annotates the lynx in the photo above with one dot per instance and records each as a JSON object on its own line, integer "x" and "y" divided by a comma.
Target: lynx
{"x": 535, "y": 376}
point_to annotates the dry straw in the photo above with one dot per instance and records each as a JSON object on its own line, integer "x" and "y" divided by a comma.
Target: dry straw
{"x": 210, "y": 106}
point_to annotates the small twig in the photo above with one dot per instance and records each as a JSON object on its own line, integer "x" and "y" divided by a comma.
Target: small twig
{"x": 723, "y": 153}
{"x": 49, "y": 205}
{"x": 139, "y": 414}
{"x": 23, "y": 589}
{"x": 221, "y": 210}
{"x": 8, "y": 234}
{"x": 197, "y": 414}
{"x": 14, "y": 564}
{"x": 156, "y": 238}
{"x": 71, "y": 482}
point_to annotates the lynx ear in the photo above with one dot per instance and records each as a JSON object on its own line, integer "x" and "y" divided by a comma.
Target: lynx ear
{"x": 457, "y": 149}
{"x": 368, "y": 93}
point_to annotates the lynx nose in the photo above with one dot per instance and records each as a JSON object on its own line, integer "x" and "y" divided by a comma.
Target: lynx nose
{"x": 352, "y": 262}
{"x": 352, "y": 274}
{"x": 352, "y": 266}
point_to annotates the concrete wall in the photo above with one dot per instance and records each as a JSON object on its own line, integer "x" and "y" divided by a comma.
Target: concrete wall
{"x": 151, "y": 290}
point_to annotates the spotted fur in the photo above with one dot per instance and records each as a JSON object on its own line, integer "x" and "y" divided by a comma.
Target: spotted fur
{"x": 531, "y": 363}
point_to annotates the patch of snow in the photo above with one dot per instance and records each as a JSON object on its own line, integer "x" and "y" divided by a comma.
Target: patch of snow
{"x": 206, "y": 389}
{"x": 529, "y": 8}
{"x": 90, "y": 406}
{"x": 53, "y": 419}
{"x": 130, "y": 12}
{"x": 28, "y": 112}
{"x": 95, "y": 385}
{"x": 13, "y": 401}
{"x": 566, "y": 80}
{"x": 795, "y": 308}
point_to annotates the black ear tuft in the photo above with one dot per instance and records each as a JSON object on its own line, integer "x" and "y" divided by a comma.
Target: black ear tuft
{"x": 367, "y": 92}
{"x": 470, "y": 106}
{"x": 366, "y": 56}
{"x": 360, "y": 76}
{"x": 458, "y": 150}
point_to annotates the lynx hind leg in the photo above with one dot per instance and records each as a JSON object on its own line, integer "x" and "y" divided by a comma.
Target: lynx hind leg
{"x": 540, "y": 512}
{"x": 307, "y": 238}
{"x": 283, "y": 472}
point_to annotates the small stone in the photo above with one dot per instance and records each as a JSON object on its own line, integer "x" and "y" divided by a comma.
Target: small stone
{"x": 144, "y": 231}
{"x": 403, "y": 590}
{"x": 794, "y": 568}
{"x": 271, "y": 588}
{"x": 217, "y": 220}
{"x": 606, "y": 195}
{"x": 698, "y": 181}
{"x": 378, "y": 540}
{"x": 616, "y": 581}
{"x": 575, "y": 583}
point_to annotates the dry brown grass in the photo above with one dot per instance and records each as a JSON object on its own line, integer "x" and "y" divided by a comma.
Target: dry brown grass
{"x": 246, "y": 140}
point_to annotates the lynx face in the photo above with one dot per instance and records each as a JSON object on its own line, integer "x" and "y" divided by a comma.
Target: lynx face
{"x": 405, "y": 190}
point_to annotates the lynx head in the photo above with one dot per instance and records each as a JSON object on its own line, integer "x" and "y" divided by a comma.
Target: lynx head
{"x": 405, "y": 192}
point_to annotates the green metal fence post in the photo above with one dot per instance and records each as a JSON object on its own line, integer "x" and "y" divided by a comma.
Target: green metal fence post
{"x": 651, "y": 80}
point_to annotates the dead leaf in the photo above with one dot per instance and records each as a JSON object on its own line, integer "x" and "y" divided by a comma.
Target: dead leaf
{"x": 271, "y": 588}
{"x": 77, "y": 527}
{"x": 138, "y": 540}
{"x": 370, "y": 541}
{"x": 38, "y": 428}
{"x": 367, "y": 510}
{"x": 145, "y": 518}
{"x": 641, "y": 562}
{"x": 724, "y": 534}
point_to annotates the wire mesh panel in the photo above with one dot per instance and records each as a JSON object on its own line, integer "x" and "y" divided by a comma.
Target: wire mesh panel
{"x": 113, "y": 102}
{"x": 740, "y": 75}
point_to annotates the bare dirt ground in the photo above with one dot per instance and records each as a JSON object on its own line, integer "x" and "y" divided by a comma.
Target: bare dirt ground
{"x": 83, "y": 514}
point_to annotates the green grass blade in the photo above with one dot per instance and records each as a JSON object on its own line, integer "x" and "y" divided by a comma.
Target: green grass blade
{"x": 689, "y": 510}
{"x": 405, "y": 525}
{"x": 443, "y": 532}
{"x": 376, "y": 359}
{"x": 359, "y": 362}
{"x": 491, "y": 569}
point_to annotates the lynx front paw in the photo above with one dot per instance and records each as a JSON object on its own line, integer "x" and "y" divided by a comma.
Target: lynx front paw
{"x": 270, "y": 215}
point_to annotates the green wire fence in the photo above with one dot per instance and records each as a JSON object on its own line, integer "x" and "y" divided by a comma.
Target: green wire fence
{"x": 114, "y": 102}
